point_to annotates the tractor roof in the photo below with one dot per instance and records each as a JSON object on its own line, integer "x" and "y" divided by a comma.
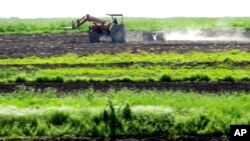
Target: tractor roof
{"x": 114, "y": 14}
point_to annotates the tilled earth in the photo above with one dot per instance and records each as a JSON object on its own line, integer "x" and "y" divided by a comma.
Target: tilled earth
{"x": 214, "y": 87}
{"x": 241, "y": 64}
{"x": 62, "y": 43}
{"x": 44, "y": 45}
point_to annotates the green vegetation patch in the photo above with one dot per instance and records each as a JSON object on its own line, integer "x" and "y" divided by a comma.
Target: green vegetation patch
{"x": 227, "y": 57}
{"x": 29, "y": 113}
{"x": 16, "y": 25}
{"x": 119, "y": 74}
{"x": 13, "y": 26}
{"x": 138, "y": 70}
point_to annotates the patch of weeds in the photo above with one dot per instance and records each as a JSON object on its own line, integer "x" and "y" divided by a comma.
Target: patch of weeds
{"x": 197, "y": 77}
{"x": 228, "y": 78}
{"x": 20, "y": 79}
{"x": 166, "y": 78}
{"x": 245, "y": 78}
{"x": 125, "y": 79}
{"x": 127, "y": 113}
{"x": 58, "y": 79}
{"x": 58, "y": 118}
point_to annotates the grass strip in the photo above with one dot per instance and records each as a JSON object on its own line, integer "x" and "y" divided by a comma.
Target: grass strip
{"x": 124, "y": 113}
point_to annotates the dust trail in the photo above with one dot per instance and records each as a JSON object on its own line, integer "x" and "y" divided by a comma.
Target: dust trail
{"x": 187, "y": 34}
{"x": 210, "y": 35}
{"x": 144, "y": 36}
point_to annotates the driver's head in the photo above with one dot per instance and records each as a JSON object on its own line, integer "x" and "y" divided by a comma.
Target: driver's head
{"x": 114, "y": 20}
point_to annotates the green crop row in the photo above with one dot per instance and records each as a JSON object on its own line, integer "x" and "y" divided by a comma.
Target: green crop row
{"x": 225, "y": 71}
{"x": 29, "y": 113}
{"x": 133, "y": 73}
{"x": 15, "y": 25}
{"x": 162, "y": 78}
{"x": 226, "y": 57}
{"x": 25, "y": 97}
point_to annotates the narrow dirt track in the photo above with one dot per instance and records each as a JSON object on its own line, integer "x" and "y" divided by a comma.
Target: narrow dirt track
{"x": 104, "y": 86}
{"x": 241, "y": 64}
{"x": 44, "y": 45}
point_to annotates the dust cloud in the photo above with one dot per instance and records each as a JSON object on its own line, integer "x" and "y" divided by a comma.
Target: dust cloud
{"x": 187, "y": 34}
{"x": 207, "y": 35}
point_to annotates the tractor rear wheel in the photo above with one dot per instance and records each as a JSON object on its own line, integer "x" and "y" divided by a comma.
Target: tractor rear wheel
{"x": 94, "y": 37}
{"x": 118, "y": 33}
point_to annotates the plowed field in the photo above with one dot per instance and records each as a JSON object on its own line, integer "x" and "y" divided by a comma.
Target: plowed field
{"x": 45, "y": 45}
{"x": 63, "y": 43}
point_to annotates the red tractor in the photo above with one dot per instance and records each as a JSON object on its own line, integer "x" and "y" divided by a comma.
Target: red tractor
{"x": 100, "y": 28}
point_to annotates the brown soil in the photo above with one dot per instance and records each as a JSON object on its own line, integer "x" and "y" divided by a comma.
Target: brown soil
{"x": 241, "y": 64}
{"x": 63, "y": 43}
{"x": 104, "y": 86}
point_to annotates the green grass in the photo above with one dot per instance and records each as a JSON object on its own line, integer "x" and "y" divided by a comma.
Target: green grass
{"x": 53, "y": 25}
{"x": 32, "y": 98}
{"x": 8, "y": 26}
{"x": 182, "y": 23}
{"x": 29, "y": 113}
{"x": 226, "y": 56}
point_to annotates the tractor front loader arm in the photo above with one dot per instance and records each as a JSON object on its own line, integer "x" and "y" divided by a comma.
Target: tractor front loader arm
{"x": 77, "y": 23}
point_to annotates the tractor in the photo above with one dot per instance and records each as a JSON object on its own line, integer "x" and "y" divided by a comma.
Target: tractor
{"x": 101, "y": 27}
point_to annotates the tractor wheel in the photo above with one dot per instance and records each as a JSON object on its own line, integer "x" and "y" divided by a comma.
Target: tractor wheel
{"x": 94, "y": 37}
{"x": 118, "y": 33}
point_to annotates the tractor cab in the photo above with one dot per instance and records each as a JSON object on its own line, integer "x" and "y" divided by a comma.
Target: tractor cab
{"x": 115, "y": 18}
